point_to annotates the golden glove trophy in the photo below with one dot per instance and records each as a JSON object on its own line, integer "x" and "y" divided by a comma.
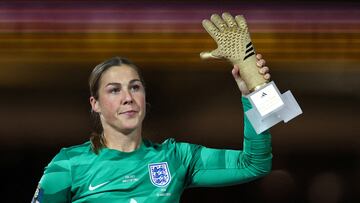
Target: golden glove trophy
{"x": 234, "y": 44}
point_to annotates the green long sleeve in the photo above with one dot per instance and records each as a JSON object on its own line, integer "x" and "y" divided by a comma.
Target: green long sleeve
{"x": 216, "y": 167}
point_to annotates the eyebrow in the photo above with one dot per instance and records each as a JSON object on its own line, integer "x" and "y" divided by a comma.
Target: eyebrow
{"x": 117, "y": 84}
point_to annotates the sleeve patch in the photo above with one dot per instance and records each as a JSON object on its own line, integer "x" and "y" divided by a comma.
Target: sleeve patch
{"x": 38, "y": 195}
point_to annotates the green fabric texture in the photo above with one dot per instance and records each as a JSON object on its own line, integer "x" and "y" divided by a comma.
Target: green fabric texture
{"x": 76, "y": 174}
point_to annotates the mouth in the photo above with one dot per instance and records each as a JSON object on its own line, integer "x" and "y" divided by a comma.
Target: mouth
{"x": 129, "y": 112}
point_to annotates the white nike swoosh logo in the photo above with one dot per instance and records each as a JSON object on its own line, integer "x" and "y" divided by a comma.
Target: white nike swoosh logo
{"x": 91, "y": 188}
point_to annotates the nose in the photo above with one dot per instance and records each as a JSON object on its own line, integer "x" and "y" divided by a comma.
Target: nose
{"x": 127, "y": 97}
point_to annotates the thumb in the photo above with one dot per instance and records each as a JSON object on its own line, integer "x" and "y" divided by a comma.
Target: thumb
{"x": 210, "y": 55}
{"x": 236, "y": 73}
{"x": 239, "y": 81}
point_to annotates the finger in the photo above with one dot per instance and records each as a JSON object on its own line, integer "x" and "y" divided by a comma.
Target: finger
{"x": 264, "y": 70}
{"x": 261, "y": 63}
{"x": 259, "y": 56}
{"x": 210, "y": 28}
{"x": 267, "y": 76}
{"x": 229, "y": 20}
{"x": 235, "y": 72}
{"x": 218, "y": 21}
{"x": 240, "y": 20}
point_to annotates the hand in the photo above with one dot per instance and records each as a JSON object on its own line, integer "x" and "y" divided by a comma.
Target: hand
{"x": 232, "y": 37}
{"x": 234, "y": 44}
{"x": 263, "y": 70}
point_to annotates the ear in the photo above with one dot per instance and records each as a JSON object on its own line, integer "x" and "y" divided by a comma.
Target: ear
{"x": 95, "y": 105}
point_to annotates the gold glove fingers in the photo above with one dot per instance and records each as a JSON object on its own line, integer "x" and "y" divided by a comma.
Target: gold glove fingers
{"x": 210, "y": 54}
{"x": 214, "y": 32}
{"x": 234, "y": 44}
{"x": 241, "y": 21}
{"x": 210, "y": 28}
{"x": 218, "y": 22}
{"x": 230, "y": 21}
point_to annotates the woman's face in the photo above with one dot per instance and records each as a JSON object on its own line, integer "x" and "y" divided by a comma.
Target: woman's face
{"x": 121, "y": 102}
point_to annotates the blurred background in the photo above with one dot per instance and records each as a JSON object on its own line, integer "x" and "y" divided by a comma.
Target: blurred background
{"x": 48, "y": 49}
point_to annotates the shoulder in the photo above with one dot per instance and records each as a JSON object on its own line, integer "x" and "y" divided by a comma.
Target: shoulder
{"x": 68, "y": 153}
{"x": 81, "y": 148}
{"x": 178, "y": 147}
{"x": 171, "y": 142}
{"x": 166, "y": 144}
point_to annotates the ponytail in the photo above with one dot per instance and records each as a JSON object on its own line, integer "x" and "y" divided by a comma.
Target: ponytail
{"x": 97, "y": 142}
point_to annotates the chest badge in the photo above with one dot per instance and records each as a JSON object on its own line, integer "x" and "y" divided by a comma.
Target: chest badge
{"x": 159, "y": 174}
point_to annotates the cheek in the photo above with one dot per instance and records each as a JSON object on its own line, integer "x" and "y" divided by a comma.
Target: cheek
{"x": 108, "y": 106}
{"x": 141, "y": 101}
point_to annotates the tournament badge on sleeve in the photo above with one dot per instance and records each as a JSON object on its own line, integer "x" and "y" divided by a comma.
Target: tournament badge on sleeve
{"x": 38, "y": 195}
{"x": 234, "y": 44}
{"x": 159, "y": 174}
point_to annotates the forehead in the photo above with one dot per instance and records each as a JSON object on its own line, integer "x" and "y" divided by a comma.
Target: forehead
{"x": 120, "y": 74}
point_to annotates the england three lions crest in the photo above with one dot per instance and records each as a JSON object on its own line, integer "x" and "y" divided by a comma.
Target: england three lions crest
{"x": 159, "y": 174}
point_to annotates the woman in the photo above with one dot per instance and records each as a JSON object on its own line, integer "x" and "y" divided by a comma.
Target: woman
{"x": 118, "y": 165}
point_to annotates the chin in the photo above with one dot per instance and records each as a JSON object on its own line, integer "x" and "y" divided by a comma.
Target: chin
{"x": 128, "y": 126}
{"x": 126, "y": 129}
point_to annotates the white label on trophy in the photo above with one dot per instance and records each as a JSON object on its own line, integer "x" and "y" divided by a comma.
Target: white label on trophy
{"x": 266, "y": 99}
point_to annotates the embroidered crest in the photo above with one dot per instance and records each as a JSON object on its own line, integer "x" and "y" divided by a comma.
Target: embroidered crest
{"x": 159, "y": 174}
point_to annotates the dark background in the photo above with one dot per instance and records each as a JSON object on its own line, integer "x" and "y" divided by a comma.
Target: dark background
{"x": 48, "y": 49}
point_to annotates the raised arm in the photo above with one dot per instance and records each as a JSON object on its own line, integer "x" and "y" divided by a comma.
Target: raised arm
{"x": 216, "y": 167}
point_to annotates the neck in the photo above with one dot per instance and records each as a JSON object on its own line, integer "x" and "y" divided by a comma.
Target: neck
{"x": 125, "y": 142}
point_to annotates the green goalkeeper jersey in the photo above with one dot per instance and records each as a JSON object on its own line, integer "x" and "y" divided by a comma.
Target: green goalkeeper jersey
{"x": 153, "y": 172}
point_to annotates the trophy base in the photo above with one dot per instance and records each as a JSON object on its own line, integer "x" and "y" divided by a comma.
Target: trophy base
{"x": 270, "y": 107}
